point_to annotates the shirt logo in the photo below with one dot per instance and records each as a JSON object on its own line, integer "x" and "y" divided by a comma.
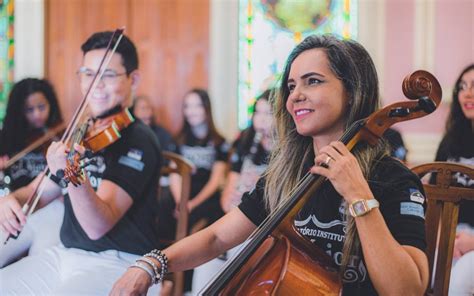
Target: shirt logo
{"x": 135, "y": 154}
{"x": 133, "y": 160}
{"x": 416, "y": 196}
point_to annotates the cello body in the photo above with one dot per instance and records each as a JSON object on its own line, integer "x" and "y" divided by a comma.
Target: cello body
{"x": 278, "y": 264}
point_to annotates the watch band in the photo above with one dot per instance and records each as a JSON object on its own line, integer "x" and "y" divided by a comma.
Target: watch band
{"x": 59, "y": 181}
{"x": 361, "y": 207}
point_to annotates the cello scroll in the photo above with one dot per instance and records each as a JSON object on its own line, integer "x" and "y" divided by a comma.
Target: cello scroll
{"x": 424, "y": 92}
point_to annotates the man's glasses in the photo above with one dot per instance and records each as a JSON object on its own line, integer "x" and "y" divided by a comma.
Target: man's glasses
{"x": 464, "y": 86}
{"x": 110, "y": 77}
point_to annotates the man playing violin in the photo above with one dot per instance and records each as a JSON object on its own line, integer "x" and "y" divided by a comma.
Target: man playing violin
{"x": 327, "y": 85}
{"x": 110, "y": 213}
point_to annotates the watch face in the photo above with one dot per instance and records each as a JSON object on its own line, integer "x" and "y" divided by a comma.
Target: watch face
{"x": 359, "y": 207}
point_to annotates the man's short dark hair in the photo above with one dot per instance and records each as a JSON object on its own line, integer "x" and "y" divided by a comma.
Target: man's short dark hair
{"x": 126, "y": 48}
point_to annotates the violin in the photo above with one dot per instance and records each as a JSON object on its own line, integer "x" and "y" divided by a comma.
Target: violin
{"x": 276, "y": 259}
{"x": 94, "y": 136}
{"x": 79, "y": 131}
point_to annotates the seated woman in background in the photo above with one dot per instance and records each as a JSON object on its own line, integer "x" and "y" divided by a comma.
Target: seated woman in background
{"x": 457, "y": 145}
{"x": 199, "y": 142}
{"x": 143, "y": 110}
{"x": 248, "y": 161}
{"x": 250, "y": 155}
{"x": 397, "y": 146}
{"x": 32, "y": 110}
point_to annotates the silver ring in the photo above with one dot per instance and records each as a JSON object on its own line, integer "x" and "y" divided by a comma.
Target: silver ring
{"x": 328, "y": 160}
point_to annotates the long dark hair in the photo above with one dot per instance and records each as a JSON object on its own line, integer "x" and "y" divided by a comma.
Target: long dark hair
{"x": 16, "y": 130}
{"x": 458, "y": 139}
{"x": 213, "y": 134}
{"x": 247, "y": 135}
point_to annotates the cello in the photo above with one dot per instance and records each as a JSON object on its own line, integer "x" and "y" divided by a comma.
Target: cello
{"x": 276, "y": 259}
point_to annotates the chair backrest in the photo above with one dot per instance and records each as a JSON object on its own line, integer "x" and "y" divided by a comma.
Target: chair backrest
{"x": 443, "y": 200}
{"x": 181, "y": 166}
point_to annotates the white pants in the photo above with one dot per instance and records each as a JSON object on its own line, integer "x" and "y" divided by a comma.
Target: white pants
{"x": 462, "y": 276}
{"x": 462, "y": 272}
{"x": 41, "y": 231}
{"x": 205, "y": 272}
{"x": 69, "y": 272}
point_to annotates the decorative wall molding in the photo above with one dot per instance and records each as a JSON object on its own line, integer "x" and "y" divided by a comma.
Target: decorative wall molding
{"x": 371, "y": 33}
{"x": 223, "y": 66}
{"x": 29, "y": 39}
{"x": 424, "y": 43}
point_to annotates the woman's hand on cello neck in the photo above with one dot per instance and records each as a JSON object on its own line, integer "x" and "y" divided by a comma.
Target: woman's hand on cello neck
{"x": 340, "y": 166}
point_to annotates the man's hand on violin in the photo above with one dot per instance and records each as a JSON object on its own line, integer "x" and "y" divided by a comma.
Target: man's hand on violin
{"x": 12, "y": 218}
{"x": 56, "y": 156}
{"x": 340, "y": 166}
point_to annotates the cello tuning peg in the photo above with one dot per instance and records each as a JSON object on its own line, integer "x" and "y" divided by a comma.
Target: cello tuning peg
{"x": 399, "y": 112}
{"x": 426, "y": 104}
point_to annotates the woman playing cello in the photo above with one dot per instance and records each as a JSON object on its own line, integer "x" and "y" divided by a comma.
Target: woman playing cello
{"x": 327, "y": 85}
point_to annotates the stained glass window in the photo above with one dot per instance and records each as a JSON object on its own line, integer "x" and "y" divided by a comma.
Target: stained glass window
{"x": 270, "y": 29}
{"x": 6, "y": 52}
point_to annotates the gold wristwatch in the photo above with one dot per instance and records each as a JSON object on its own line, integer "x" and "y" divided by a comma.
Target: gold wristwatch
{"x": 361, "y": 207}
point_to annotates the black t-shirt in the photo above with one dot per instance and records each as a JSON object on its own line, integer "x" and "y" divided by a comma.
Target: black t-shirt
{"x": 250, "y": 166}
{"x": 466, "y": 208}
{"x": 259, "y": 158}
{"x": 134, "y": 164}
{"x": 323, "y": 219}
{"x": 203, "y": 154}
{"x": 22, "y": 172}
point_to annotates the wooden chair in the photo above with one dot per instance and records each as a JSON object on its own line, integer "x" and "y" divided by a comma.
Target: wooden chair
{"x": 443, "y": 200}
{"x": 181, "y": 166}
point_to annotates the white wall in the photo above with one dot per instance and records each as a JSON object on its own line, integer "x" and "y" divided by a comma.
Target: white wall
{"x": 223, "y": 68}
{"x": 29, "y": 39}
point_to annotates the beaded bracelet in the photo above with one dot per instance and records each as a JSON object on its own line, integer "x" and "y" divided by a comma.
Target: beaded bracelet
{"x": 161, "y": 257}
{"x": 145, "y": 268}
